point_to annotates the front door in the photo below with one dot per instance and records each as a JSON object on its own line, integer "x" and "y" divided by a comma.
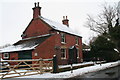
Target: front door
{"x": 72, "y": 55}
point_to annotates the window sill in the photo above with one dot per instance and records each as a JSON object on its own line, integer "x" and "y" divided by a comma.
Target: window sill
{"x": 6, "y": 57}
{"x": 63, "y": 42}
{"x": 63, "y": 58}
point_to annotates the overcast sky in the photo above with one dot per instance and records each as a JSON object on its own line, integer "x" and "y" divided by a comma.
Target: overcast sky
{"x": 15, "y": 15}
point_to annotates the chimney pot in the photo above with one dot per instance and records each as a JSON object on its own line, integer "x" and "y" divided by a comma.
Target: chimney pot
{"x": 38, "y": 4}
{"x": 66, "y": 17}
{"x": 35, "y": 4}
{"x": 36, "y": 10}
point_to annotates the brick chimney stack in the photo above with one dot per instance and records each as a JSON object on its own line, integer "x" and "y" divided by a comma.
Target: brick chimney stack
{"x": 36, "y": 10}
{"x": 65, "y": 21}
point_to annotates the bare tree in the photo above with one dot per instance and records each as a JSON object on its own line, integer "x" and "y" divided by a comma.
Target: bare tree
{"x": 6, "y": 45}
{"x": 104, "y": 21}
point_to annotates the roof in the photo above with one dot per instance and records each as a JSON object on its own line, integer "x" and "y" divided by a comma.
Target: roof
{"x": 25, "y": 44}
{"x": 14, "y": 48}
{"x": 59, "y": 27}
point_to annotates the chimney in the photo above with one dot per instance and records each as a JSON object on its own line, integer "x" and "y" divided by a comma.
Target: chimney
{"x": 36, "y": 10}
{"x": 65, "y": 21}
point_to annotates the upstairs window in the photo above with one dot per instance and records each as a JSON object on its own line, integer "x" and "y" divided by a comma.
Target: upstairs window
{"x": 63, "y": 53}
{"x": 77, "y": 40}
{"x": 6, "y": 55}
{"x": 62, "y": 38}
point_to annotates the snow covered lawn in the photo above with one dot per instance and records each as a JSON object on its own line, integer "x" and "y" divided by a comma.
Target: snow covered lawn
{"x": 76, "y": 72}
{"x": 85, "y": 63}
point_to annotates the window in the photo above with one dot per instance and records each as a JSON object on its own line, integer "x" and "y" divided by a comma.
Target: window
{"x": 6, "y": 55}
{"x": 78, "y": 53}
{"x": 63, "y": 53}
{"x": 77, "y": 40}
{"x": 62, "y": 38}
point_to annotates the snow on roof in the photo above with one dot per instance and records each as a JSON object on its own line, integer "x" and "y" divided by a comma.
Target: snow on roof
{"x": 25, "y": 44}
{"x": 59, "y": 27}
{"x": 16, "y": 48}
{"x": 37, "y": 36}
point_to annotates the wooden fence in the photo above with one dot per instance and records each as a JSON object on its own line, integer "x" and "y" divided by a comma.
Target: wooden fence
{"x": 25, "y": 67}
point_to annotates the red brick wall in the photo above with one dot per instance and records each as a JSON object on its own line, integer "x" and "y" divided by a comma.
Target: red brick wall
{"x": 70, "y": 41}
{"x": 13, "y": 56}
{"x": 36, "y": 12}
{"x": 80, "y": 49}
{"x": 36, "y": 28}
{"x": 46, "y": 49}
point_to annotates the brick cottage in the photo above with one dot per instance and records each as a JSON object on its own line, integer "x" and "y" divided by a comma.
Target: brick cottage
{"x": 44, "y": 38}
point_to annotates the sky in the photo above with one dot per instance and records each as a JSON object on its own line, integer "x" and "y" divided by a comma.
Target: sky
{"x": 15, "y": 16}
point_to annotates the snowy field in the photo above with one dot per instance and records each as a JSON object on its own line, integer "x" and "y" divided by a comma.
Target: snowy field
{"x": 76, "y": 72}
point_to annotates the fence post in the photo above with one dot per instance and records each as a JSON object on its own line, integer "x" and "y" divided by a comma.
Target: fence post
{"x": 40, "y": 65}
{"x": 55, "y": 64}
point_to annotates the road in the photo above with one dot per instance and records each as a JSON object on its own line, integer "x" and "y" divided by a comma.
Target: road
{"x": 108, "y": 74}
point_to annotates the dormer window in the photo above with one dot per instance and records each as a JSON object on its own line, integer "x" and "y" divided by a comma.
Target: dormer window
{"x": 63, "y": 38}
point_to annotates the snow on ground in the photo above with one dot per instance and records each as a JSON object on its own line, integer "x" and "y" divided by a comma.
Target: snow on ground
{"x": 85, "y": 63}
{"x": 76, "y": 72}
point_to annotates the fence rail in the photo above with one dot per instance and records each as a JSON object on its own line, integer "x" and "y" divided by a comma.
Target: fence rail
{"x": 18, "y": 68}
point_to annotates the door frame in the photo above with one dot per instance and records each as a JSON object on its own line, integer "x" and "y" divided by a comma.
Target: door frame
{"x": 72, "y": 55}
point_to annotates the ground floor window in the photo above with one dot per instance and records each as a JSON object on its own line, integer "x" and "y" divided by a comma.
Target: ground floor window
{"x": 63, "y": 53}
{"x": 6, "y": 55}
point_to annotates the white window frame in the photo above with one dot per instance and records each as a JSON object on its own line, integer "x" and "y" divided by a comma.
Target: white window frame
{"x": 4, "y": 55}
{"x": 78, "y": 55}
{"x": 63, "y": 53}
{"x": 77, "y": 40}
{"x": 63, "y": 38}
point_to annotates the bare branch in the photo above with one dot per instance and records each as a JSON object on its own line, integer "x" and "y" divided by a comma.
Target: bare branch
{"x": 104, "y": 20}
